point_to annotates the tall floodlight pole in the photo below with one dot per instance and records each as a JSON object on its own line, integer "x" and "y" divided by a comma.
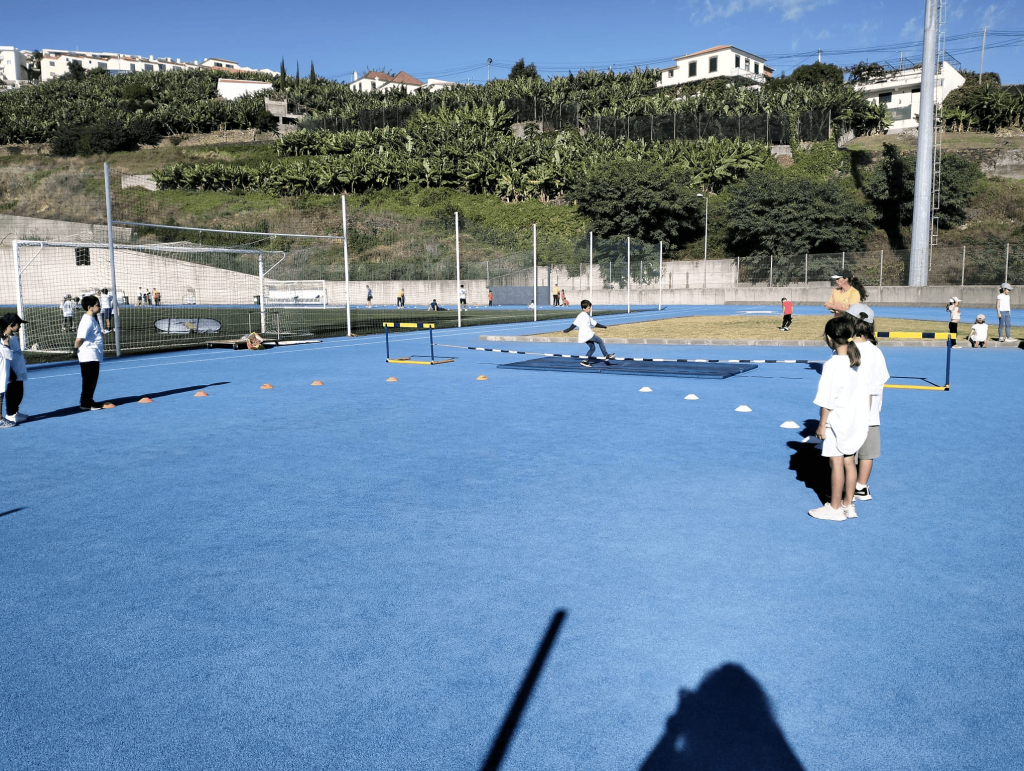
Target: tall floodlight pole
{"x": 661, "y": 267}
{"x": 591, "y": 274}
{"x": 344, "y": 245}
{"x": 920, "y": 234}
{"x": 534, "y": 271}
{"x": 458, "y": 272}
{"x": 701, "y": 195}
{"x": 113, "y": 269}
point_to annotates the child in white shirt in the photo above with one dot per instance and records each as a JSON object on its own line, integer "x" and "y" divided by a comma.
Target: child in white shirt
{"x": 67, "y": 309}
{"x": 843, "y": 426}
{"x": 13, "y": 372}
{"x": 953, "y": 307}
{"x": 979, "y": 333}
{"x": 89, "y": 348}
{"x": 875, "y": 374}
{"x": 585, "y": 323}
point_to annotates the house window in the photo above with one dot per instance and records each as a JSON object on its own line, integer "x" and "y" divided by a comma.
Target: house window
{"x": 737, "y": 62}
{"x": 101, "y": 65}
{"x": 746, "y": 64}
{"x": 149, "y": 68}
{"x": 131, "y": 68}
{"x": 671, "y": 73}
{"x": 82, "y": 255}
{"x": 885, "y": 98}
{"x": 713, "y": 64}
{"x": 915, "y": 91}
{"x": 51, "y": 64}
{"x": 757, "y": 68}
{"x": 693, "y": 69}
{"x": 162, "y": 68}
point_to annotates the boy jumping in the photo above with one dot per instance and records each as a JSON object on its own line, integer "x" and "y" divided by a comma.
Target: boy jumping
{"x": 585, "y": 323}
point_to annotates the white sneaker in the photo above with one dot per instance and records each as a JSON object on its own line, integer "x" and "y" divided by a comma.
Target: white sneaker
{"x": 1001, "y": 340}
{"x": 850, "y": 512}
{"x": 827, "y": 512}
{"x": 862, "y": 494}
{"x": 18, "y": 417}
{"x": 5, "y": 423}
{"x": 1011, "y": 339}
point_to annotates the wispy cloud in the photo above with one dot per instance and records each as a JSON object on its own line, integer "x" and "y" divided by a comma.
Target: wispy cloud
{"x": 708, "y": 10}
{"x": 912, "y": 29}
{"x": 991, "y": 14}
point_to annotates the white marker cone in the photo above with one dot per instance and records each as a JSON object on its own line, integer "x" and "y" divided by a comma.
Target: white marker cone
{"x": 645, "y": 390}
{"x": 743, "y": 408}
{"x": 789, "y": 424}
{"x": 691, "y": 397}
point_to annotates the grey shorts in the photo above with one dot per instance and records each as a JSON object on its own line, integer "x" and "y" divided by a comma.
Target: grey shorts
{"x": 872, "y": 447}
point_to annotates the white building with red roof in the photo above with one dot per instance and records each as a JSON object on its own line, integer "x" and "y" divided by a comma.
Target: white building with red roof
{"x": 374, "y": 80}
{"x": 717, "y": 62}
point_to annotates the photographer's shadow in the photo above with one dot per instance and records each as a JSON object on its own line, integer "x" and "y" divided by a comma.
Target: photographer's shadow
{"x": 725, "y": 725}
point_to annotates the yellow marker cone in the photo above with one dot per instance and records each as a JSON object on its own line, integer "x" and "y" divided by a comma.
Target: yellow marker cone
{"x": 317, "y": 382}
{"x": 482, "y": 377}
{"x": 392, "y": 380}
{"x": 201, "y": 393}
{"x": 145, "y": 400}
{"x": 109, "y": 405}
{"x": 266, "y": 387}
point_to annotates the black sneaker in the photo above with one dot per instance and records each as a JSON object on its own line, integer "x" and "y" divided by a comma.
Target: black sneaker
{"x": 862, "y": 494}
{"x": 90, "y": 408}
{"x": 609, "y": 357}
{"x": 586, "y": 363}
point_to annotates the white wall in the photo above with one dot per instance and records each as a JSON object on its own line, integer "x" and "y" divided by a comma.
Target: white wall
{"x": 727, "y": 66}
{"x": 232, "y": 89}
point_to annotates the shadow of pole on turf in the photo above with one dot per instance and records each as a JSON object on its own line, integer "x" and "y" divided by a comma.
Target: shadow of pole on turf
{"x": 11, "y": 511}
{"x": 67, "y": 411}
{"x": 725, "y": 725}
{"x": 810, "y": 467}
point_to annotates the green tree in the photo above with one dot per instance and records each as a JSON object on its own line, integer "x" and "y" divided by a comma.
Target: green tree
{"x": 312, "y": 72}
{"x": 863, "y": 72}
{"x": 817, "y": 74}
{"x": 777, "y": 213}
{"x": 523, "y": 71}
{"x": 75, "y": 72}
{"x": 640, "y": 198}
{"x": 284, "y": 76}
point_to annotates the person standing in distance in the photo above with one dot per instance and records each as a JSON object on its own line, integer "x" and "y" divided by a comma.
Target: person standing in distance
{"x": 555, "y": 295}
{"x": 1003, "y": 313}
{"x": 89, "y": 348}
{"x": 13, "y": 372}
{"x": 849, "y": 291}
{"x": 106, "y": 304}
{"x": 462, "y": 297}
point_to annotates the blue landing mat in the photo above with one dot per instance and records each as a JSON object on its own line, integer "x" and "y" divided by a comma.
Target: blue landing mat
{"x": 626, "y": 367}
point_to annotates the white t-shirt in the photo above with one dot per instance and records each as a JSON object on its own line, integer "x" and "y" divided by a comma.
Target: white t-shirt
{"x": 979, "y": 332}
{"x": 104, "y": 301}
{"x": 954, "y": 313}
{"x": 68, "y": 308}
{"x": 585, "y": 323}
{"x": 1003, "y": 303}
{"x": 874, "y": 372}
{"x": 91, "y": 333}
{"x": 843, "y": 391}
{"x": 462, "y": 294}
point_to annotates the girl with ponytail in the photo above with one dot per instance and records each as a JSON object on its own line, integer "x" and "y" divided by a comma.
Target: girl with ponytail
{"x": 849, "y": 291}
{"x": 843, "y": 425}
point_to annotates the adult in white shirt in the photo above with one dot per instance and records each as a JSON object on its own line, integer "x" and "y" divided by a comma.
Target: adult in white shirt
{"x": 1003, "y": 313}
{"x": 89, "y": 347}
{"x": 585, "y": 323}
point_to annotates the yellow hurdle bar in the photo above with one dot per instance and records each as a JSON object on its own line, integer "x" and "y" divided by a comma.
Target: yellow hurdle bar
{"x": 414, "y": 361}
{"x": 919, "y": 388}
{"x": 917, "y": 335}
{"x": 409, "y": 325}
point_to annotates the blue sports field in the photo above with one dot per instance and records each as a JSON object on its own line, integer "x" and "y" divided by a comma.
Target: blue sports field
{"x": 358, "y": 575}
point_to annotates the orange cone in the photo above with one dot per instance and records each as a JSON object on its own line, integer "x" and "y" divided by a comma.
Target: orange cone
{"x": 392, "y": 380}
{"x": 266, "y": 387}
{"x": 317, "y": 382}
{"x": 482, "y": 377}
{"x": 201, "y": 393}
{"x": 145, "y": 400}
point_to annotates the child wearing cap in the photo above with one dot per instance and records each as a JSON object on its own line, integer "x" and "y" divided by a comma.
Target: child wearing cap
{"x": 67, "y": 309}
{"x": 953, "y": 308}
{"x": 1003, "y": 313}
{"x": 13, "y": 372}
{"x": 875, "y": 373}
{"x": 849, "y": 291}
{"x": 979, "y": 332}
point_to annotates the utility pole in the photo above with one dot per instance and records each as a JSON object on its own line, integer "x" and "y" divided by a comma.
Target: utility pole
{"x": 920, "y": 239}
{"x": 819, "y": 56}
{"x": 488, "y": 69}
{"x": 981, "y": 67}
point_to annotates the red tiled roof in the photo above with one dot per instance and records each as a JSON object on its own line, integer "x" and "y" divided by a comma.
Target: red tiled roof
{"x": 708, "y": 50}
{"x": 402, "y": 77}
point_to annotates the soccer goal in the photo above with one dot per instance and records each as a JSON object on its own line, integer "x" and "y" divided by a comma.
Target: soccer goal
{"x": 292, "y": 294}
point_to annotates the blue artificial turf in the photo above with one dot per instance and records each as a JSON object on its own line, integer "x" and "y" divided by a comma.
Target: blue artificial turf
{"x": 358, "y": 575}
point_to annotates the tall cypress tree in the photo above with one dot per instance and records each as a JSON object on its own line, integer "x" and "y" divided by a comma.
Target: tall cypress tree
{"x": 298, "y": 76}
{"x": 312, "y": 72}
{"x": 284, "y": 76}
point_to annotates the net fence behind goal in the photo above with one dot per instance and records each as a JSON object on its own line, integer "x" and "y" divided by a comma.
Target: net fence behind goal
{"x": 167, "y": 296}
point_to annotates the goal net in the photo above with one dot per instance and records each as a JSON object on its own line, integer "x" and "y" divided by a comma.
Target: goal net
{"x": 290, "y": 294}
{"x": 167, "y": 295}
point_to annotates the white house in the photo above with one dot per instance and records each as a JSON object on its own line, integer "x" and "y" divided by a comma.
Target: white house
{"x": 900, "y": 91}
{"x": 229, "y": 88}
{"x": 57, "y": 62}
{"x": 14, "y": 66}
{"x": 382, "y": 81}
{"x": 717, "y": 62}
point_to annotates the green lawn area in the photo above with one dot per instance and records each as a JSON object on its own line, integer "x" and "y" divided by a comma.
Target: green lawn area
{"x": 764, "y": 328}
{"x": 951, "y": 140}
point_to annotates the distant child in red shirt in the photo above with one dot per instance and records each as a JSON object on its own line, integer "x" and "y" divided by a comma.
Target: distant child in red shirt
{"x": 787, "y": 314}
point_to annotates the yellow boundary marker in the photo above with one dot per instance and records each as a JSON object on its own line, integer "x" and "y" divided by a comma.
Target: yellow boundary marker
{"x": 950, "y": 339}
{"x": 415, "y": 361}
{"x": 919, "y": 388}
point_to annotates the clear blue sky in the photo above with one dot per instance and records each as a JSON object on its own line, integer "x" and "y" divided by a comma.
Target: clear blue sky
{"x": 453, "y": 40}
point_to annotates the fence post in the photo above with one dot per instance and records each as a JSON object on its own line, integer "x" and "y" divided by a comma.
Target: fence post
{"x": 21, "y": 298}
{"x": 881, "y": 263}
{"x": 805, "y": 268}
{"x": 844, "y": 260}
{"x": 771, "y": 268}
{"x": 1006, "y": 270}
{"x": 458, "y": 292}
{"x": 534, "y": 271}
{"x": 963, "y": 268}
{"x": 113, "y": 272}
{"x": 263, "y": 293}
{"x": 661, "y": 266}
{"x": 591, "y": 265}
{"x": 344, "y": 245}
{"x": 629, "y": 256}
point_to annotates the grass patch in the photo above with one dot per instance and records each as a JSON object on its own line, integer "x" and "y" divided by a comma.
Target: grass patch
{"x": 951, "y": 140}
{"x": 762, "y": 328}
